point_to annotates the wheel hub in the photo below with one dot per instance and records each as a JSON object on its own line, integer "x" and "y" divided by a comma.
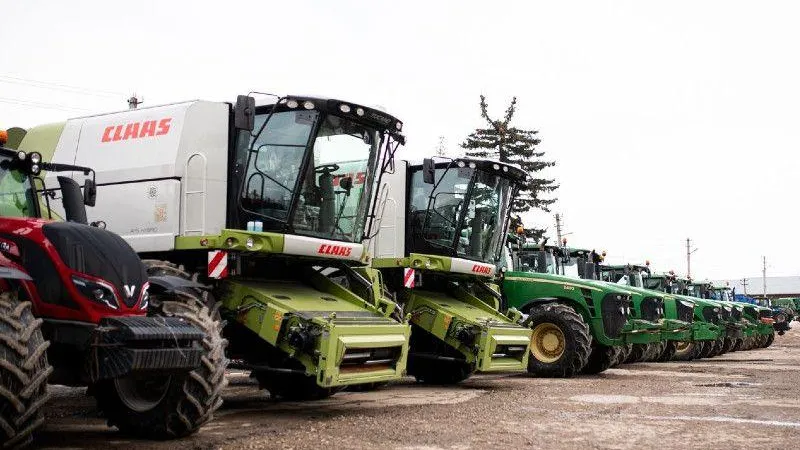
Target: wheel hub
{"x": 682, "y": 346}
{"x": 142, "y": 393}
{"x": 547, "y": 342}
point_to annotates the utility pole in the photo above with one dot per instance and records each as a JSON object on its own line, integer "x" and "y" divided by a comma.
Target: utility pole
{"x": 744, "y": 285}
{"x": 134, "y": 101}
{"x": 558, "y": 228}
{"x": 764, "y": 274}
{"x": 689, "y": 252}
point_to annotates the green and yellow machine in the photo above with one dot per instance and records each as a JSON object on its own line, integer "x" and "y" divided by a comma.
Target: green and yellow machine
{"x": 437, "y": 246}
{"x": 268, "y": 206}
{"x": 579, "y": 325}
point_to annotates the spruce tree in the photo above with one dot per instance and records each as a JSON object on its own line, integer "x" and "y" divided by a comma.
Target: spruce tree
{"x": 501, "y": 141}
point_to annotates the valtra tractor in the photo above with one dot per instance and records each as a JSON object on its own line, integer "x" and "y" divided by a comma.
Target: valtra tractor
{"x": 77, "y": 309}
{"x": 678, "y": 313}
{"x": 268, "y": 206}
{"x": 442, "y": 231}
{"x": 577, "y": 324}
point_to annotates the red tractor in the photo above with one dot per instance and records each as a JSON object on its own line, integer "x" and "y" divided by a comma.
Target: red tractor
{"x": 77, "y": 308}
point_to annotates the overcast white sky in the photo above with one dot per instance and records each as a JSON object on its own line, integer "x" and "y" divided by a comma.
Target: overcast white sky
{"x": 668, "y": 120}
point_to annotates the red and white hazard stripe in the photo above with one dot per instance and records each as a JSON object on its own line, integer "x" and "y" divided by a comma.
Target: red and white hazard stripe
{"x": 217, "y": 264}
{"x": 408, "y": 278}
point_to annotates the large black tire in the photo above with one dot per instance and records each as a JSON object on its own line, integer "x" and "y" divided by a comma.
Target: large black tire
{"x": 23, "y": 371}
{"x": 668, "y": 352}
{"x": 686, "y": 350}
{"x": 728, "y": 345}
{"x": 188, "y": 400}
{"x": 601, "y": 358}
{"x": 769, "y": 340}
{"x": 573, "y": 347}
{"x": 636, "y": 354}
{"x": 707, "y": 349}
{"x": 654, "y": 351}
{"x": 737, "y": 344}
{"x": 719, "y": 345}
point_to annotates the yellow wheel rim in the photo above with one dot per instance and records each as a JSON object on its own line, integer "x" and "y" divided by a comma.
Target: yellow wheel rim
{"x": 682, "y": 346}
{"x": 547, "y": 343}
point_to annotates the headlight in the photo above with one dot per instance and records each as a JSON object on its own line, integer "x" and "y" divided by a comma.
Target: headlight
{"x": 36, "y": 157}
{"x": 97, "y": 292}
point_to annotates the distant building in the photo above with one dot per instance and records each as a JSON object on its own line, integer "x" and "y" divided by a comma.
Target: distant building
{"x": 776, "y": 286}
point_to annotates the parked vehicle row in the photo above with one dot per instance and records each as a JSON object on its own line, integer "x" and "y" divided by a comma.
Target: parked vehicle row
{"x": 290, "y": 240}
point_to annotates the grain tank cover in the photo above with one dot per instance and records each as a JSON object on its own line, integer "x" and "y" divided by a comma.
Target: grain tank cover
{"x": 146, "y": 143}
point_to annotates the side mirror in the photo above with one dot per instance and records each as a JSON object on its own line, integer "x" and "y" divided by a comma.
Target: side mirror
{"x": 72, "y": 201}
{"x": 244, "y": 113}
{"x": 428, "y": 171}
{"x": 89, "y": 193}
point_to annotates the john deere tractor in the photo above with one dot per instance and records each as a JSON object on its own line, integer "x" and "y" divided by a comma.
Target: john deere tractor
{"x": 707, "y": 324}
{"x": 676, "y": 325}
{"x": 77, "y": 308}
{"x": 578, "y": 325}
{"x": 443, "y": 227}
{"x": 267, "y": 206}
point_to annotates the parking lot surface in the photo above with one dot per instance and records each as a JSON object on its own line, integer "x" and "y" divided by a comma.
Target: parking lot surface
{"x": 738, "y": 400}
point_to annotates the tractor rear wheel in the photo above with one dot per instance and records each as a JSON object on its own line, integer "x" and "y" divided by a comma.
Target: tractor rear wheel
{"x": 686, "y": 350}
{"x": 668, "y": 352}
{"x": 174, "y": 405}
{"x": 737, "y": 344}
{"x": 653, "y": 351}
{"x": 636, "y": 354}
{"x": 727, "y": 347}
{"x": 23, "y": 371}
{"x": 769, "y": 340}
{"x": 601, "y": 358}
{"x": 560, "y": 342}
{"x": 707, "y": 349}
{"x": 717, "y": 345}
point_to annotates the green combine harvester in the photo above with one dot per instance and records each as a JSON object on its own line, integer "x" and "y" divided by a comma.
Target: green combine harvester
{"x": 437, "y": 246}
{"x": 579, "y": 325}
{"x": 269, "y": 207}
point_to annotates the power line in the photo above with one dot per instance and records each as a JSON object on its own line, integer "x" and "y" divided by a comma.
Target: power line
{"x": 58, "y": 86}
{"x": 20, "y": 102}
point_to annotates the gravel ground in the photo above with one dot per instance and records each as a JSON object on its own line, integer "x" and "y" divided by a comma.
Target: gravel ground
{"x": 738, "y": 400}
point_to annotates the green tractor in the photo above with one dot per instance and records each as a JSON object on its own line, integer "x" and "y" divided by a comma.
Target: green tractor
{"x": 676, "y": 325}
{"x": 269, "y": 207}
{"x": 643, "y": 331}
{"x": 579, "y": 325}
{"x": 784, "y": 311}
{"x": 441, "y": 234}
{"x": 759, "y": 331}
{"x": 707, "y": 324}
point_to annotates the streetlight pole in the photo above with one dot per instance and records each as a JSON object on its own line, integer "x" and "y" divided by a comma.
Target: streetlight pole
{"x": 689, "y": 252}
